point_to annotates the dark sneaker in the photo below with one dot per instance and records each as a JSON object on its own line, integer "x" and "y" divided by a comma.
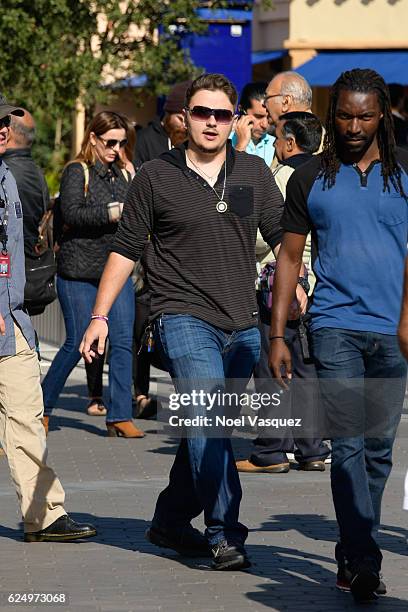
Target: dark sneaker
{"x": 63, "y": 529}
{"x": 365, "y": 580}
{"x": 344, "y": 578}
{"x": 229, "y": 556}
{"x": 189, "y": 543}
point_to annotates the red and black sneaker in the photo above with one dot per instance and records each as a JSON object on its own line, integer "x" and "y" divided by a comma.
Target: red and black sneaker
{"x": 345, "y": 577}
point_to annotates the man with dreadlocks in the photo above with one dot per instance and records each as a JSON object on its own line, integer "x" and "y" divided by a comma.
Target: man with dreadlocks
{"x": 353, "y": 199}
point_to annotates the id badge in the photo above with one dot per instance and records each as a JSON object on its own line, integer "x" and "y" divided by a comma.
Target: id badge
{"x": 5, "y": 267}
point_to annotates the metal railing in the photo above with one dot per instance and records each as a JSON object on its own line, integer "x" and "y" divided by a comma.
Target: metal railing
{"x": 50, "y": 325}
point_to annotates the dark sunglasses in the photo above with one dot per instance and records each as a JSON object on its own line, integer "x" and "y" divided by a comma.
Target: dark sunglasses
{"x": 111, "y": 143}
{"x": 5, "y": 121}
{"x": 203, "y": 113}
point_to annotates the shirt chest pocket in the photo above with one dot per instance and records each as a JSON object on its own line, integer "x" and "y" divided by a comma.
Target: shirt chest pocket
{"x": 242, "y": 200}
{"x": 392, "y": 209}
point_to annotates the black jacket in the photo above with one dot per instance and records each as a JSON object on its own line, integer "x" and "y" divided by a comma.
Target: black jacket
{"x": 88, "y": 233}
{"x": 33, "y": 192}
{"x": 151, "y": 142}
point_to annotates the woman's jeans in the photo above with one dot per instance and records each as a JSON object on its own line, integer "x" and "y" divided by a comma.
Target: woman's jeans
{"x": 362, "y": 379}
{"x": 77, "y": 299}
{"x": 204, "y": 476}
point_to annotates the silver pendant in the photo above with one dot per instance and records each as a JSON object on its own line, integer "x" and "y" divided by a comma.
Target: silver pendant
{"x": 222, "y": 206}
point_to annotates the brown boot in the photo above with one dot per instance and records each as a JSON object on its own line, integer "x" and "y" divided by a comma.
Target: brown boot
{"x": 46, "y": 422}
{"x": 275, "y": 468}
{"x": 123, "y": 429}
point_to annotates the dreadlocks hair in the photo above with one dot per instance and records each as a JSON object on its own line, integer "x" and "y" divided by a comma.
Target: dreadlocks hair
{"x": 364, "y": 81}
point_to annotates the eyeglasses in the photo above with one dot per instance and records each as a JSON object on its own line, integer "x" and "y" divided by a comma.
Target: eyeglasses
{"x": 203, "y": 113}
{"x": 266, "y": 98}
{"x": 5, "y": 121}
{"x": 111, "y": 143}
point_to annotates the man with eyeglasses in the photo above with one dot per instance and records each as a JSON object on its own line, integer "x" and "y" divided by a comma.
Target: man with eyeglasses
{"x": 202, "y": 204}
{"x": 287, "y": 92}
{"x": 22, "y": 434}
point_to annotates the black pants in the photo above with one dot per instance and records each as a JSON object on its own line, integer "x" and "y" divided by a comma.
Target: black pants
{"x": 269, "y": 451}
{"x": 94, "y": 372}
{"x": 141, "y": 358}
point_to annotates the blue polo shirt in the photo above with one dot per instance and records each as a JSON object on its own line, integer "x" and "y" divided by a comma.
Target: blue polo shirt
{"x": 264, "y": 148}
{"x": 361, "y": 233}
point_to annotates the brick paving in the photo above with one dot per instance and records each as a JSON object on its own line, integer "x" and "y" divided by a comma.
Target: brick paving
{"x": 114, "y": 483}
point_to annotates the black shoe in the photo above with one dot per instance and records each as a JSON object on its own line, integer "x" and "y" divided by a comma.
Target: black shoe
{"x": 344, "y": 578}
{"x": 229, "y": 556}
{"x": 145, "y": 408}
{"x": 63, "y": 529}
{"x": 365, "y": 580}
{"x": 312, "y": 466}
{"x": 189, "y": 543}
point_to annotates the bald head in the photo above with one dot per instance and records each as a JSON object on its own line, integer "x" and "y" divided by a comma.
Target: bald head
{"x": 22, "y": 131}
{"x": 287, "y": 92}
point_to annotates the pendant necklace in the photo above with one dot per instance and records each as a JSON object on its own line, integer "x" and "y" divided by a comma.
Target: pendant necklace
{"x": 221, "y": 205}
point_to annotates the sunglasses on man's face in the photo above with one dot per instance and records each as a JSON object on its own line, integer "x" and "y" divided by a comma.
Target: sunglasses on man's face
{"x": 203, "y": 113}
{"x": 5, "y": 121}
{"x": 112, "y": 142}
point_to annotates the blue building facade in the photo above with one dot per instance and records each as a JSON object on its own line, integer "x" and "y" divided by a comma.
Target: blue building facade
{"x": 226, "y": 45}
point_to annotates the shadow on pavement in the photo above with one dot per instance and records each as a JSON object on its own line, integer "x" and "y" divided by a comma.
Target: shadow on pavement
{"x": 59, "y": 422}
{"x": 319, "y": 527}
{"x": 291, "y": 579}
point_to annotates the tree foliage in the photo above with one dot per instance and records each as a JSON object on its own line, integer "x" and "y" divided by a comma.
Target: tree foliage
{"x": 53, "y": 50}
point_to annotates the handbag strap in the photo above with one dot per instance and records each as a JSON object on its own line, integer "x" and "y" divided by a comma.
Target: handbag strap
{"x": 85, "y": 168}
{"x": 86, "y": 175}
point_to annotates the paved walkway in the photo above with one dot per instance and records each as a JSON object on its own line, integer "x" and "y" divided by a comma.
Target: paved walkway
{"x": 114, "y": 483}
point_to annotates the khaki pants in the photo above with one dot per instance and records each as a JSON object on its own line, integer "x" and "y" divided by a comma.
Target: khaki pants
{"x": 22, "y": 436}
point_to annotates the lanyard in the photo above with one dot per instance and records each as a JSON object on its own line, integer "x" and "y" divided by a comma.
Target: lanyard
{"x": 4, "y": 222}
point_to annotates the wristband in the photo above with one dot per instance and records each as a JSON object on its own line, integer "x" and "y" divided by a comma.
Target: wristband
{"x": 276, "y": 337}
{"x": 100, "y": 317}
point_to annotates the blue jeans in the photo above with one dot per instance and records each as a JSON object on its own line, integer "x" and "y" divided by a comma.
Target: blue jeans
{"x": 77, "y": 299}
{"x": 370, "y": 393}
{"x": 204, "y": 476}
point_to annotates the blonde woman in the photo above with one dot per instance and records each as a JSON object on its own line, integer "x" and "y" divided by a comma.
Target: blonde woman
{"x": 93, "y": 189}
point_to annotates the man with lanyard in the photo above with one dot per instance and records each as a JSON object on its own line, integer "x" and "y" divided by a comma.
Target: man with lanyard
{"x": 201, "y": 204}
{"x": 353, "y": 197}
{"x": 22, "y": 434}
{"x": 251, "y": 130}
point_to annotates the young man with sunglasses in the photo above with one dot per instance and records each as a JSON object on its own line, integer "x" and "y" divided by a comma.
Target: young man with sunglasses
{"x": 201, "y": 204}
{"x": 22, "y": 435}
